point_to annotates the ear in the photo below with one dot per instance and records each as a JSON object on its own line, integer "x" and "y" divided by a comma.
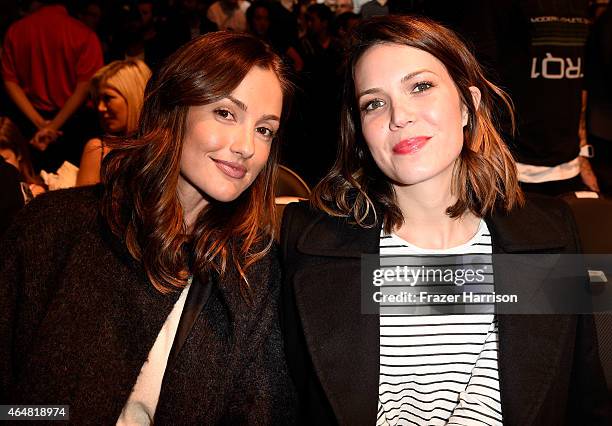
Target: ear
{"x": 476, "y": 99}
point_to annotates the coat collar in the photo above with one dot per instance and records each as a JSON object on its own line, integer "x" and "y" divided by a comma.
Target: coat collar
{"x": 524, "y": 229}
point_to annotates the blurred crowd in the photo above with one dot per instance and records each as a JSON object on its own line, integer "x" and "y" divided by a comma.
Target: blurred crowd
{"x": 74, "y": 73}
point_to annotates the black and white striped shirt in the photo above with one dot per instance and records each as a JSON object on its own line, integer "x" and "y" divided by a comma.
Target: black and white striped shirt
{"x": 438, "y": 369}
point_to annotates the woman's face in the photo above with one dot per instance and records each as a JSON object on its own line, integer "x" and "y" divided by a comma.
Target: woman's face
{"x": 227, "y": 143}
{"x": 113, "y": 110}
{"x": 261, "y": 21}
{"x": 411, "y": 113}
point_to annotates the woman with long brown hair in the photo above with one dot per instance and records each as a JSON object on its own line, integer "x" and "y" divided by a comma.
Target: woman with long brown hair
{"x": 424, "y": 183}
{"x": 153, "y": 295}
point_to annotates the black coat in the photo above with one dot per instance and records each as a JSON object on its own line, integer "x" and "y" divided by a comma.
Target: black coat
{"x": 549, "y": 368}
{"x": 78, "y": 318}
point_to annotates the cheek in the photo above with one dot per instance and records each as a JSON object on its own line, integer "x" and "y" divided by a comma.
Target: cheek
{"x": 374, "y": 131}
{"x": 262, "y": 157}
{"x": 205, "y": 137}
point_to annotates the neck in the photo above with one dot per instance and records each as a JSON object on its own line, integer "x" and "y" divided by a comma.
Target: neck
{"x": 381, "y": 2}
{"x": 192, "y": 202}
{"x": 426, "y": 223}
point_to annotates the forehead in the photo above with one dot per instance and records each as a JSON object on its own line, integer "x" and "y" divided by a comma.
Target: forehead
{"x": 261, "y": 91}
{"x": 389, "y": 63}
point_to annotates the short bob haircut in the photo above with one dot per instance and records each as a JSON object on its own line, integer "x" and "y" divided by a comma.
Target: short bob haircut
{"x": 140, "y": 174}
{"x": 129, "y": 78}
{"x": 485, "y": 177}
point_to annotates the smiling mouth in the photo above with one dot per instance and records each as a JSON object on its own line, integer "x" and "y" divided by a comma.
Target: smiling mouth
{"x": 233, "y": 170}
{"x": 411, "y": 146}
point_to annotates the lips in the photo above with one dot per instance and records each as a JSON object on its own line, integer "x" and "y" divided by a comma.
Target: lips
{"x": 233, "y": 170}
{"x": 411, "y": 146}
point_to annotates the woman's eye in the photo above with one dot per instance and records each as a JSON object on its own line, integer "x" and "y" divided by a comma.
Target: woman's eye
{"x": 373, "y": 104}
{"x": 264, "y": 131}
{"x": 224, "y": 113}
{"x": 422, "y": 86}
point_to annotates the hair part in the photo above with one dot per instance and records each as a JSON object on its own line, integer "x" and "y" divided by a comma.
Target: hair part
{"x": 141, "y": 172}
{"x": 484, "y": 177}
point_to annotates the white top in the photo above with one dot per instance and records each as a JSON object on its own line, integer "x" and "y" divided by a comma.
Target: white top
{"x": 539, "y": 174}
{"x": 438, "y": 369}
{"x": 140, "y": 406}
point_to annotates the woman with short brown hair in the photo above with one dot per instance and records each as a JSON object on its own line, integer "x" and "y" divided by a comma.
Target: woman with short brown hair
{"x": 423, "y": 180}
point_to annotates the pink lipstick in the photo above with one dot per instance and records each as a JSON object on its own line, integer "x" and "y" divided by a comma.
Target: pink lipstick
{"x": 410, "y": 146}
{"x": 233, "y": 170}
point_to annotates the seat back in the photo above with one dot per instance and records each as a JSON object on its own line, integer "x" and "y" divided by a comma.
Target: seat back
{"x": 594, "y": 221}
{"x": 290, "y": 184}
{"x": 289, "y": 188}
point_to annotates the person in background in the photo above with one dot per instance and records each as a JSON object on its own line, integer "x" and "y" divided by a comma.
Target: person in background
{"x": 47, "y": 61}
{"x": 229, "y": 14}
{"x": 345, "y": 23}
{"x": 118, "y": 93}
{"x": 374, "y": 8}
{"x": 152, "y": 298}
{"x": 343, "y": 6}
{"x": 260, "y": 20}
{"x": 599, "y": 109}
{"x": 187, "y": 22}
{"x": 424, "y": 178}
{"x": 14, "y": 150}
{"x": 90, "y": 13}
{"x": 322, "y": 54}
{"x": 11, "y": 196}
{"x": 537, "y": 51}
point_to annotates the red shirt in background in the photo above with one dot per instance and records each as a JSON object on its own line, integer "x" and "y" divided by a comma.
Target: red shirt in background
{"x": 47, "y": 53}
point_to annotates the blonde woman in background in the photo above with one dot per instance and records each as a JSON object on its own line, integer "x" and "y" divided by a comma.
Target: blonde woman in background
{"x": 118, "y": 92}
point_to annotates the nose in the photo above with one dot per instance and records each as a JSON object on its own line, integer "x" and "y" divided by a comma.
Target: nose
{"x": 243, "y": 144}
{"x": 401, "y": 115}
{"x": 101, "y": 106}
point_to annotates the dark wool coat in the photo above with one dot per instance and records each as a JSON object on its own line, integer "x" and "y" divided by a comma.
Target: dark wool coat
{"x": 549, "y": 368}
{"x": 78, "y": 318}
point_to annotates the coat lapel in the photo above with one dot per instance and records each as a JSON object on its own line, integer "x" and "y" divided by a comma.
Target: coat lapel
{"x": 343, "y": 343}
{"x": 530, "y": 346}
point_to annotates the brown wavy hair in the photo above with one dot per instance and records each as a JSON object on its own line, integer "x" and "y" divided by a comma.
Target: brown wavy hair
{"x": 140, "y": 174}
{"x": 485, "y": 176}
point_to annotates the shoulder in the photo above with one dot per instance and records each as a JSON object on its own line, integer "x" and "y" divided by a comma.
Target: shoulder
{"x": 297, "y": 215}
{"x": 542, "y": 223}
{"x": 60, "y": 212}
{"x": 15, "y": 31}
{"x": 93, "y": 144}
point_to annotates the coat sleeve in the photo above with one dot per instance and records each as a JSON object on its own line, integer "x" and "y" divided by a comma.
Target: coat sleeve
{"x": 262, "y": 393}
{"x": 32, "y": 254}
{"x": 589, "y": 400}
{"x": 10, "y": 278}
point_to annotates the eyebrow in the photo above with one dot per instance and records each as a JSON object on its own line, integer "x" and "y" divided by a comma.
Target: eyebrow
{"x": 404, "y": 79}
{"x": 243, "y": 107}
{"x": 238, "y": 102}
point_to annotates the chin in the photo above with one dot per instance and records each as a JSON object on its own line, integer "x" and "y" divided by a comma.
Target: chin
{"x": 226, "y": 196}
